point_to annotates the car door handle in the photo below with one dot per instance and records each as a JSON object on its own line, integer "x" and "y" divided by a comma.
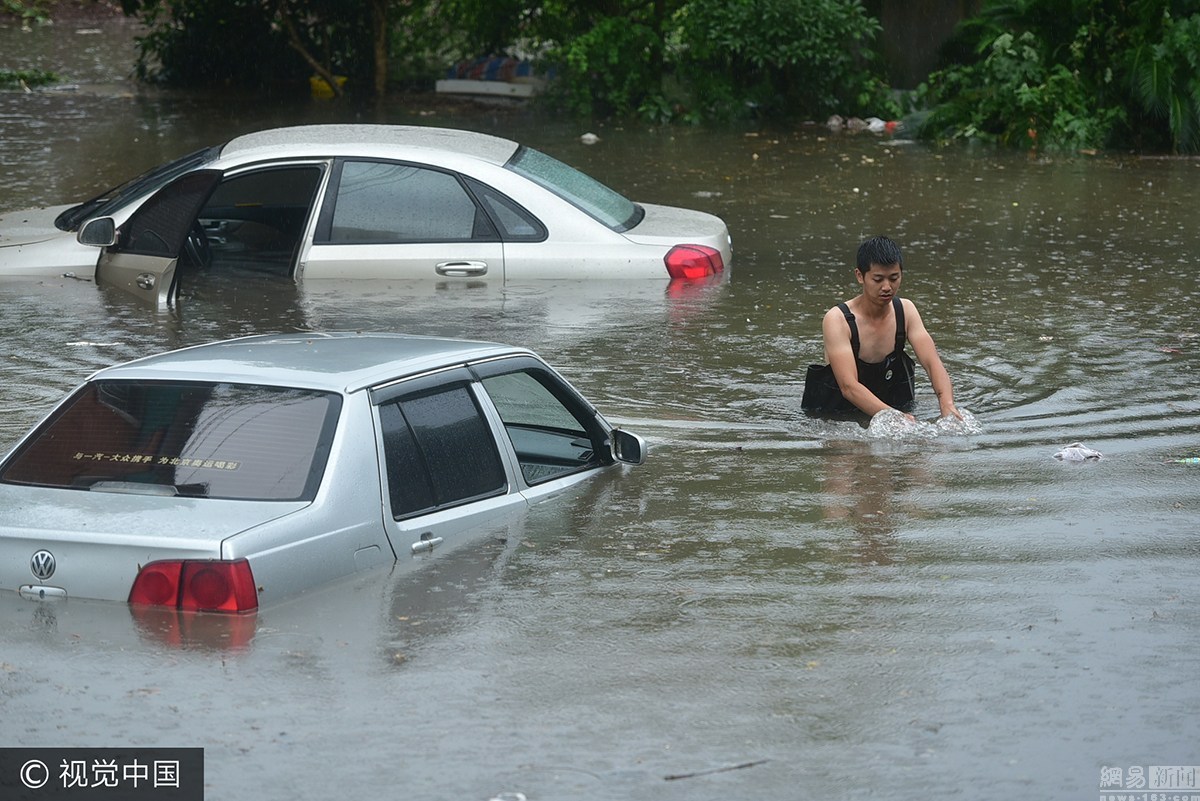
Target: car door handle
{"x": 462, "y": 268}
{"x": 426, "y": 543}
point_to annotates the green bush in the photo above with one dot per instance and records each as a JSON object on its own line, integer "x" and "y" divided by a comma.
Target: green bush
{"x": 25, "y": 10}
{"x": 1165, "y": 74}
{"x": 779, "y": 57}
{"x": 14, "y": 79}
{"x": 665, "y": 60}
{"x": 614, "y": 68}
{"x": 206, "y": 42}
{"x": 1016, "y": 98}
{"x": 1072, "y": 74}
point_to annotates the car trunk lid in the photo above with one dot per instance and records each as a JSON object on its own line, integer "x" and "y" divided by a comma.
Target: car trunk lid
{"x": 96, "y": 541}
{"x": 668, "y": 227}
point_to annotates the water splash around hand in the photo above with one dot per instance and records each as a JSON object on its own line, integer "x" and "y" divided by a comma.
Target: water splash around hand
{"x": 893, "y": 424}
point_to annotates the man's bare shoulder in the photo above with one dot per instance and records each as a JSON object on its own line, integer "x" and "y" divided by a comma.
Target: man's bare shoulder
{"x": 835, "y": 328}
{"x": 910, "y": 309}
{"x": 836, "y": 313}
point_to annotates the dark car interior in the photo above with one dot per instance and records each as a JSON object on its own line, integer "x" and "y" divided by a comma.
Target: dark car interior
{"x": 254, "y": 221}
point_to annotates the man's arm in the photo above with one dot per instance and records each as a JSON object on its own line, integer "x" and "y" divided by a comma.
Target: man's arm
{"x": 927, "y": 355}
{"x": 841, "y": 358}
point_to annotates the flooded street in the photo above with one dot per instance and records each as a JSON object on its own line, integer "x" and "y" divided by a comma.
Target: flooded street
{"x": 773, "y": 606}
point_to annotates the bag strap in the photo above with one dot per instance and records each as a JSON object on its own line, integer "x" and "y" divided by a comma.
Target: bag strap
{"x": 853, "y": 327}
{"x": 901, "y": 336}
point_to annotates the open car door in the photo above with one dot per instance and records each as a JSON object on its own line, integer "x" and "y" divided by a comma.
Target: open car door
{"x": 142, "y": 261}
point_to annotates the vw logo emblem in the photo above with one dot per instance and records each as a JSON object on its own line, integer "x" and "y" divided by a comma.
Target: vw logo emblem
{"x": 42, "y": 565}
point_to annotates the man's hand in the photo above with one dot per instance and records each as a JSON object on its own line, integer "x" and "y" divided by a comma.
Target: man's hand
{"x": 953, "y": 411}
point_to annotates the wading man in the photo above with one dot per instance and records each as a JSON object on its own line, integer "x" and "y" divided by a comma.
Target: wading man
{"x": 868, "y": 367}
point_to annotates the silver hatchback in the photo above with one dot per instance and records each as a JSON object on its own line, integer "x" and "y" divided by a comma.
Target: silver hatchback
{"x": 226, "y": 475}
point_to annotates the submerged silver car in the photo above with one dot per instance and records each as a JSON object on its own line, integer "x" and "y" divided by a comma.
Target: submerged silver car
{"x": 361, "y": 201}
{"x": 226, "y": 475}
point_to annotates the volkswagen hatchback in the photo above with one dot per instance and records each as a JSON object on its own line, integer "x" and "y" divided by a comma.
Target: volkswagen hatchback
{"x": 226, "y": 475}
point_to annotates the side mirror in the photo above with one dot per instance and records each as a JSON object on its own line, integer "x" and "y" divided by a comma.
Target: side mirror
{"x": 627, "y": 447}
{"x": 100, "y": 232}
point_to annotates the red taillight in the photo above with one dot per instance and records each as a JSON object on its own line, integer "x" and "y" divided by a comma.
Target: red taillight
{"x": 693, "y": 261}
{"x": 157, "y": 584}
{"x": 198, "y": 585}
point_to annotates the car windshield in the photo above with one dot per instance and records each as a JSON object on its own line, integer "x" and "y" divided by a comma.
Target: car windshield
{"x": 110, "y": 201}
{"x": 609, "y": 207}
{"x": 211, "y": 440}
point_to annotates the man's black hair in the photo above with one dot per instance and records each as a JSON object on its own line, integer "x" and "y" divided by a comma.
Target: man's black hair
{"x": 879, "y": 250}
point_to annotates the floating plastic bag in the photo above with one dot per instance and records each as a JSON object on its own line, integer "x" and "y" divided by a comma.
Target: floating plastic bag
{"x": 1078, "y": 452}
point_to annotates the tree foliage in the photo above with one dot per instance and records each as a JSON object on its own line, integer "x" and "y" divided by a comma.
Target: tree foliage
{"x": 248, "y": 42}
{"x": 713, "y": 59}
{"x": 1065, "y": 74}
{"x": 695, "y": 59}
{"x": 25, "y": 10}
{"x": 1072, "y": 74}
{"x": 807, "y": 57}
{"x": 23, "y": 79}
{"x": 1165, "y": 73}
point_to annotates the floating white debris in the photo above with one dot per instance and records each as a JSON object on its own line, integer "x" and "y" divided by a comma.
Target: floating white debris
{"x": 1078, "y": 452}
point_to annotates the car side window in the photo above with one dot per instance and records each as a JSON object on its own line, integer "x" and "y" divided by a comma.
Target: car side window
{"x": 549, "y": 438}
{"x": 387, "y": 202}
{"x": 515, "y": 223}
{"x": 439, "y": 451}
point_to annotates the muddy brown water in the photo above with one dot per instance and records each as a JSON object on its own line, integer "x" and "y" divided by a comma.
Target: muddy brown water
{"x": 772, "y": 606}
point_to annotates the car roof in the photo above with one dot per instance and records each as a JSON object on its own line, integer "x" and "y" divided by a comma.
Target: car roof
{"x": 342, "y": 139}
{"x": 339, "y": 361}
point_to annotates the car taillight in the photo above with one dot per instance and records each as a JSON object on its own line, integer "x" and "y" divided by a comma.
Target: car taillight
{"x": 198, "y": 585}
{"x": 693, "y": 261}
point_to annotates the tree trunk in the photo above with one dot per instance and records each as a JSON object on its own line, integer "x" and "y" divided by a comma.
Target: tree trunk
{"x": 297, "y": 44}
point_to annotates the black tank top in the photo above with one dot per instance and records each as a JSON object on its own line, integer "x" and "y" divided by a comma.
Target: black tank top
{"x": 890, "y": 380}
{"x": 877, "y": 376}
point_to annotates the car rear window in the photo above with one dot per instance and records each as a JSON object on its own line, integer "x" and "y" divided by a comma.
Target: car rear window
{"x": 606, "y": 205}
{"x": 213, "y": 440}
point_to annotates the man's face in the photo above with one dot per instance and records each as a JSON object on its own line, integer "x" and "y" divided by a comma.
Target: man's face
{"x": 881, "y": 282}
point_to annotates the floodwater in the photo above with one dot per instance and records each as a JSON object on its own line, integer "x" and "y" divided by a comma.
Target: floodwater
{"x": 772, "y": 606}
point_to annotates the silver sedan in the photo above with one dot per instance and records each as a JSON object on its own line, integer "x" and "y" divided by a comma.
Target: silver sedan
{"x": 220, "y": 476}
{"x": 362, "y": 201}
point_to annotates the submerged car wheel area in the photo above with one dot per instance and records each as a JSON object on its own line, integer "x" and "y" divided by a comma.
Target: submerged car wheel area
{"x": 362, "y": 201}
{"x": 220, "y": 476}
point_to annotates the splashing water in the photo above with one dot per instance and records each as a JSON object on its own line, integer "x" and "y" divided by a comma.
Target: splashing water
{"x": 895, "y": 425}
